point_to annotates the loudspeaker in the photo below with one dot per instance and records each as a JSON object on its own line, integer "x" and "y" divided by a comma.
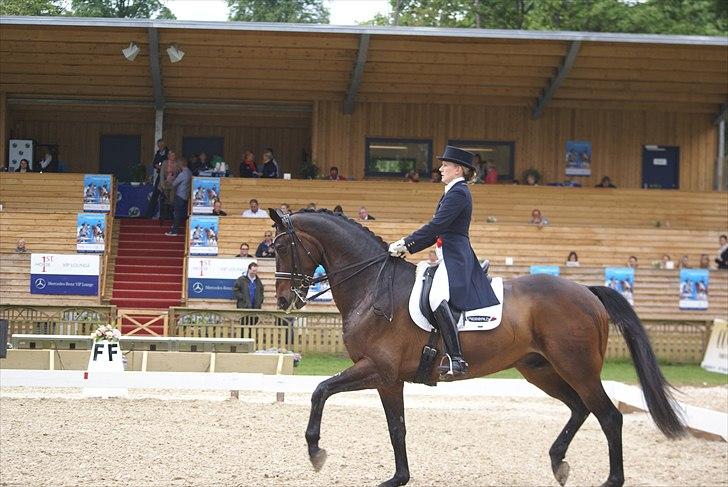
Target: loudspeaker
{"x": 3, "y": 338}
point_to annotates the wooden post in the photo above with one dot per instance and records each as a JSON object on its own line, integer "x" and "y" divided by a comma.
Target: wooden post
{"x": 3, "y": 128}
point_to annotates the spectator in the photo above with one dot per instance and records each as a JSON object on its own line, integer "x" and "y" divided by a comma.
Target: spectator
{"x": 334, "y": 174}
{"x": 270, "y": 165}
{"x": 312, "y": 206}
{"x": 204, "y": 162}
{"x": 412, "y": 177}
{"x": 538, "y": 219}
{"x": 24, "y": 166}
{"x": 21, "y": 246}
{"x": 49, "y": 163}
{"x": 161, "y": 155}
{"x": 254, "y": 211}
{"x": 684, "y": 263}
{"x": 572, "y": 260}
{"x": 632, "y": 262}
{"x": 515, "y": 182}
{"x": 159, "y": 158}
{"x": 704, "y": 261}
{"x": 285, "y": 209}
{"x": 479, "y": 169}
{"x": 666, "y": 262}
{"x": 722, "y": 257}
{"x": 491, "y": 174}
{"x": 531, "y": 179}
{"x": 338, "y": 209}
{"x": 167, "y": 174}
{"x": 217, "y": 208}
{"x": 605, "y": 183}
{"x": 248, "y": 289}
{"x": 435, "y": 176}
{"x": 181, "y": 188}
{"x": 194, "y": 164}
{"x": 432, "y": 258}
{"x": 265, "y": 249}
{"x": 364, "y": 214}
{"x": 137, "y": 172}
{"x": 248, "y": 169}
{"x": 244, "y": 250}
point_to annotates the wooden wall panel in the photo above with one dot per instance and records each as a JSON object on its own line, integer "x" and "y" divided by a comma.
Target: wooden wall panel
{"x": 617, "y": 137}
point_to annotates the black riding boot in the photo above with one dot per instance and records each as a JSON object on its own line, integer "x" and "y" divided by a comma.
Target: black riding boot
{"x": 449, "y": 328}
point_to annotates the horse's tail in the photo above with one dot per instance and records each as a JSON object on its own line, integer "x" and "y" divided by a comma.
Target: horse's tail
{"x": 656, "y": 389}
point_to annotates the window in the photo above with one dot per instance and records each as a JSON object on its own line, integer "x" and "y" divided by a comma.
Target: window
{"x": 397, "y": 157}
{"x": 501, "y": 154}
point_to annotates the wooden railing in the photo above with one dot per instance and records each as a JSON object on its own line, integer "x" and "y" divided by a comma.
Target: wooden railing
{"x": 56, "y": 320}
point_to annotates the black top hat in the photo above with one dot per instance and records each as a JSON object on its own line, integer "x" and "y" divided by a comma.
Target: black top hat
{"x": 458, "y": 156}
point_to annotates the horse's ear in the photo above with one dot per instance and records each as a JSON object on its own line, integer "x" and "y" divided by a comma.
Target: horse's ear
{"x": 276, "y": 216}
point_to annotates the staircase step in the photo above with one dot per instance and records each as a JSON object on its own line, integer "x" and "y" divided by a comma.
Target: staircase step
{"x": 150, "y": 240}
{"x": 127, "y": 276}
{"x": 144, "y": 270}
{"x": 150, "y": 263}
{"x": 157, "y": 284}
{"x": 142, "y": 293}
{"x": 149, "y": 253}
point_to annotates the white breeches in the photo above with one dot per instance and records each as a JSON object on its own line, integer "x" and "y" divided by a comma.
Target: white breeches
{"x": 440, "y": 287}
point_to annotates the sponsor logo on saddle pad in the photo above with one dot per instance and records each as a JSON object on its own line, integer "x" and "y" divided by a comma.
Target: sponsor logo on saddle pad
{"x": 474, "y": 320}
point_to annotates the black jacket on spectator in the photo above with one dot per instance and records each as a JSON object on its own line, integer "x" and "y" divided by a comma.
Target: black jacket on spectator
{"x": 270, "y": 169}
{"x": 246, "y": 171}
{"x": 722, "y": 260}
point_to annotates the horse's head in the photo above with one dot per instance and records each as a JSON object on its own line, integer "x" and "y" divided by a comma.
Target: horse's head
{"x": 297, "y": 256}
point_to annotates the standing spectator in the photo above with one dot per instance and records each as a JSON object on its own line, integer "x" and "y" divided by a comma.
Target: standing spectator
{"x": 244, "y": 250}
{"x": 167, "y": 174}
{"x": 270, "y": 165}
{"x": 572, "y": 260}
{"x": 248, "y": 289}
{"x": 161, "y": 155}
{"x": 364, "y": 214}
{"x": 159, "y": 158}
{"x": 265, "y": 249}
{"x": 254, "y": 211}
{"x": 704, "y": 261}
{"x": 435, "y": 176}
{"x": 217, "y": 208}
{"x": 632, "y": 262}
{"x": 722, "y": 257}
{"x": 181, "y": 188}
{"x": 538, "y": 219}
{"x": 285, "y": 208}
{"x": 24, "y": 166}
{"x": 684, "y": 263}
{"x": 334, "y": 174}
{"x": 605, "y": 183}
{"x": 248, "y": 169}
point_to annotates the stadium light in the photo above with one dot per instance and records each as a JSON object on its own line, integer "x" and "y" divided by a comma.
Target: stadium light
{"x": 175, "y": 55}
{"x": 131, "y": 52}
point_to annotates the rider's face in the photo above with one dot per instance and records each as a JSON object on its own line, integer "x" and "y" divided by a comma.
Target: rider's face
{"x": 450, "y": 171}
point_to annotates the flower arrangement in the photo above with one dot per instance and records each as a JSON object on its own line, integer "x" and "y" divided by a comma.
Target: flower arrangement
{"x": 106, "y": 333}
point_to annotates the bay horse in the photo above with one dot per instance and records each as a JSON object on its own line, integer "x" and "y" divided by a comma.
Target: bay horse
{"x": 553, "y": 331}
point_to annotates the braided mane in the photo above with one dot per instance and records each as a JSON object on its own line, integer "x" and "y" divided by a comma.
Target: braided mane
{"x": 345, "y": 219}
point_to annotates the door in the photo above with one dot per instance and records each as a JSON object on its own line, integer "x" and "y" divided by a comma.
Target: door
{"x": 119, "y": 155}
{"x": 660, "y": 167}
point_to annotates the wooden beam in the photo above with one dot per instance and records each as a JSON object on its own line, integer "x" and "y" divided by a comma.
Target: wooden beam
{"x": 155, "y": 69}
{"x": 356, "y": 74}
{"x": 722, "y": 114}
{"x": 3, "y": 129}
{"x": 563, "y": 71}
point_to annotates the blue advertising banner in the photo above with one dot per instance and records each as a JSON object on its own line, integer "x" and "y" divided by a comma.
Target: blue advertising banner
{"x": 578, "y": 158}
{"x": 90, "y": 232}
{"x": 694, "y": 288}
{"x": 203, "y": 234}
{"x": 63, "y": 274}
{"x": 213, "y": 278}
{"x": 204, "y": 192}
{"x": 552, "y": 270}
{"x": 132, "y": 199}
{"x": 621, "y": 279}
{"x": 97, "y": 192}
{"x": 326, "y": 297}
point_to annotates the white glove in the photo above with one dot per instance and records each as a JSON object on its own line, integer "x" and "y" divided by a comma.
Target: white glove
{"x": 398, "y": 248}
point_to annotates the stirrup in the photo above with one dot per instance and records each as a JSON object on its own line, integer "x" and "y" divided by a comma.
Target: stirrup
{"x": 460, "y": 366}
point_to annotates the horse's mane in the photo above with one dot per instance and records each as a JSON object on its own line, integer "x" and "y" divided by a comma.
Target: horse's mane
{"x": 340, "y": 217}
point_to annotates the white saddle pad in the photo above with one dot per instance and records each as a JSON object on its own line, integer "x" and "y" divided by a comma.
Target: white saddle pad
{"x": 474, "y": 320}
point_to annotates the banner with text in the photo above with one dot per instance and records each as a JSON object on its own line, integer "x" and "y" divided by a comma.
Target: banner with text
{"x": 97, "y": 192}
{"x": 203, "y": 234}
{"x": 621, "y": 279}
{"x": 64, "y": 274}
{"x": 213, "y": 278}
{"x": 90, "y": 232}
{"x": 694, "y": 288}
{"x": 204, "y": 192}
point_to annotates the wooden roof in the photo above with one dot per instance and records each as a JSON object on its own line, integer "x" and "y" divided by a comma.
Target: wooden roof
{"x": 233, "y": 62}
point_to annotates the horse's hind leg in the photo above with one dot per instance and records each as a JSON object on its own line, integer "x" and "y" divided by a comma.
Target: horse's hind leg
{"x": 361, "y": 375}
{"x": 543, "y": 376}
{"x": 393, "y": 403}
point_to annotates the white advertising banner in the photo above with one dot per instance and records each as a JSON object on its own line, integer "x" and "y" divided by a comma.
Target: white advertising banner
{"x": 76, "y": 274}
{"x": 214, "y": 278}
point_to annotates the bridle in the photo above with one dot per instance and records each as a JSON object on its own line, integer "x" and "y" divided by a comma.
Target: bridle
{"x": 300, "y": 281}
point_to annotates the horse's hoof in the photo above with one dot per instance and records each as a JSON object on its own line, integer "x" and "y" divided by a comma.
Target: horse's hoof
{"x": 318, "y": 459}
{"x": 562, "y": 473}
{"x": 395, "y": 481}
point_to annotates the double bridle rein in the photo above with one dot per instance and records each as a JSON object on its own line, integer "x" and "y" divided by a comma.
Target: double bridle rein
{"x": 300, "y": 281}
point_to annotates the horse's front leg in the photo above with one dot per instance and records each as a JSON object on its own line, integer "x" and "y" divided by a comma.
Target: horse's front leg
{"x": 393, "y": 402}
{"x": 361, "y": 375}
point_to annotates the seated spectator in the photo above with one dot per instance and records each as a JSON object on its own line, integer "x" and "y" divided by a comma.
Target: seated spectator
{"x": 531, "y": 179}
{"x": 217, "y": 208}
{"x": 491, "y": 174}
{"x": 285, "y": 208}
{"x": 137, "y": 172}
{"x": 666, "y": 262}
{"x": 24, "y": 166}
{"x": 605, "y": 183}
{"x": 412, "y": 177}
{"x": 334, "y": 174}
{"x": 538, "y": 219}
{"x": 722, "y": 257}
{"x": 364, "y": 214}
{"x": 204, "y": 163}
{"x": 248, "y": 289}
{"x": 684, "y": 263}
{"x": 265, "y": 249}
{"x": 270, "y": 165}
{"x": 244, "y": 250}
{"x": 248, "y": 169}
{"x": 632, "y": 262}
{"x": 312, "y": 206}
{"x": 21, "y": 246}
{"x": 704, "y": 261}
{"x": 572, "y": 260}
{"x": 338, "y": 209}
{"x": 435, "y": 176}
{"x": 254, "y": 211}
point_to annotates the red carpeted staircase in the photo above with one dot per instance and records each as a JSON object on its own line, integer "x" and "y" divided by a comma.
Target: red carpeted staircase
{"x": 148, "y": 273}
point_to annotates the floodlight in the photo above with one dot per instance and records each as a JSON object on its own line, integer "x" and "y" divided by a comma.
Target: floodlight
{"x": 131, "y": 52}
{"x": 175, "y": 55}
